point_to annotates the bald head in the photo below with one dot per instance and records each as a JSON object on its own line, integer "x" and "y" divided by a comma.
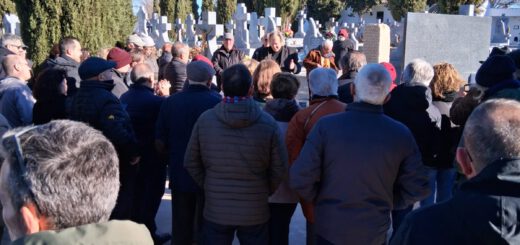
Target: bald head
{"x": 492, "y": 132}
{"x": 142, "y": 74}
{"x": 17, "y": 66}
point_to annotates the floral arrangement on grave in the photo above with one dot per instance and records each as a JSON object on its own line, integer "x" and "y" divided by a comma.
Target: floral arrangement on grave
{"x": 330, "y": 35}
{"x": 288, "y": 32}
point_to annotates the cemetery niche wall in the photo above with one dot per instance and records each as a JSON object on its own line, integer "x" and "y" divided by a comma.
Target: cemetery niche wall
{"x": 460, "y": 40}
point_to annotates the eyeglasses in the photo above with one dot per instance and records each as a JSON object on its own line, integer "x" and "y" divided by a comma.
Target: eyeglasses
{"x": 22, "y": 47}
{"x": 14, "y": 138}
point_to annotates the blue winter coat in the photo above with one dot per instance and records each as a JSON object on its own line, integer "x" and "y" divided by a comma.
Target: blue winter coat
{"x": 143, "y": 107}
{"x": 176, "y": 120}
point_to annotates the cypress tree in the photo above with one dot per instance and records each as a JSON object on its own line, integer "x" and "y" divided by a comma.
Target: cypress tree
{"x": 7, "y": 6}
{"x": 96, "y": 23}
{"x": 195, "y": 9}
{"x": 225, "y": 10}
{"x": 322, "y": 10}
{"x": 399, "y": 8}
{"x": 208, "y": 5}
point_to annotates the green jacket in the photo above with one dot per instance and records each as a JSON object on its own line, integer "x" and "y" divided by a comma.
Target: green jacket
{"x": 112, "y": 232}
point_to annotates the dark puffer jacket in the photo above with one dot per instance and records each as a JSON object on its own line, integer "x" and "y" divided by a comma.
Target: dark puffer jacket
{"x": 175, "y": 73}
{"x": 485, "y": 210}
{"x": 71, "y": 68}
{"x": 411, "y": 104}
{"x": 223, "y": 59}
{"x": 236, "y": 154}
{"x": 96, "y": 105}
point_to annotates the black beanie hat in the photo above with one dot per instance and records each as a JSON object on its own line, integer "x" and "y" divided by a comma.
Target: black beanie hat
{"x": 494, "y": 70}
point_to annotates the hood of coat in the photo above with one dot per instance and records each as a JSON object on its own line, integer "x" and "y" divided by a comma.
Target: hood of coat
{"x": 112, "y": 232}
{"x": 10, "y": 82}
{"x": 412, "y": 96}
{"x": 65, "y": 62}
{"x": 282, "y": 109}
{"x": 238, "y": 115}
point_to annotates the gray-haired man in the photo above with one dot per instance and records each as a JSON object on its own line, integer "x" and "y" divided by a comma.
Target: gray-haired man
{"x": 59, "y": 184}
{"x": 358, "y": 165}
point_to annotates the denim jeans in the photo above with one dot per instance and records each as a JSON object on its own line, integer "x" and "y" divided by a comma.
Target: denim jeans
{"x": 281, "y": 214}
{"x": 441, "y": 186}
{"x": 217, "y": 234}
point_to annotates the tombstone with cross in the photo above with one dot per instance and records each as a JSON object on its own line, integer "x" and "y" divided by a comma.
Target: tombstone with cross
{"x": 191, "y": 37}
{"x": 254, "y": 39}
{"x": 164, "y": 28}
{"x": 11, "y": 24}
{"x": 230, "y": 26}
{"x": 178, "y": 30}
{"x": 313, "y": 38}
{"x": 210, "y": 30}
{"x": 301, "y": 24}
{"x": 241, "y": 33}
{"x": 153, "y": 30}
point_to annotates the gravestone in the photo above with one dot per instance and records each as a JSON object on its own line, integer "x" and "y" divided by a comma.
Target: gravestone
{"x": 153, "y": 31}
{"x": 301, "y": 24}
{"x": 229, "y": 27}
{"x": 178, "y": 29}
{"x": 191, "y": 37}
{"x": 211, "y": 30}
{"x": 459, "y": 40}
{"x": 354, "y": 39}
{"x": 467, "y": 9}
{"x": 313, "y": 39}
{"x": 11, "y": 24}
{"x": 241, "y": 33}
{"x": 142, "y": 20}
{"x": 377, "y": 43}
{"x": 271, "y": 25}
{"x": 254, "y": 39}
{"x": 164, "y": 28}
{"x": 271, "y": 12}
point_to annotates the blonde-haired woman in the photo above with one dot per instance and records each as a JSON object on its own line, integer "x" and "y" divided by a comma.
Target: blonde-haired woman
{"x": 445, "y": 86}
{"x": 262, "y": 78}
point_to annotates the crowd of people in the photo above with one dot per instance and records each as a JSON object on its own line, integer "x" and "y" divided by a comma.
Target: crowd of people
{"x": 90, "y": 142}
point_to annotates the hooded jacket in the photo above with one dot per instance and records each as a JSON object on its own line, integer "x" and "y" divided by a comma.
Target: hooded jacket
{"x": 236, "y": 154}
{"x": 282, "y": 58}
{"x": 223, "y": 59}
{"x": 16, "y": 101}
{"x": 485, "y": 210}
{"x": 112, "y": 232}
{"x": 70, "y": 66}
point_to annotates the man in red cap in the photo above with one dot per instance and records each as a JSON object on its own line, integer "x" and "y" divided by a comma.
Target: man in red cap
{"x": 341, "y": 47}
{"x": 122, "y": 60}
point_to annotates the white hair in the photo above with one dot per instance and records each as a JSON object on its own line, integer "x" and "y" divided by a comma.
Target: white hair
{"x": 323, "y": 82}
{"x": 418, "y": 71}
{"x": 372, "y": 84}
{"x": 327, "y": 43}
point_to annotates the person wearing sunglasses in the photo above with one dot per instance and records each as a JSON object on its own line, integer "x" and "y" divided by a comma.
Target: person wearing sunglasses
{"x": 58, "y": 185}
{"x": 11, "y": 44}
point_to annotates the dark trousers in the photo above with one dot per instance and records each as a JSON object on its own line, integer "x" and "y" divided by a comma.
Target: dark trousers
{"x": 216, "y": 234}
{"x": 125, "y": 198}
{"x": 281, "y": 214}
{"x": 149, "y": 192}
{"x": 311, "y": 235}
{"x": 187, "y": 217}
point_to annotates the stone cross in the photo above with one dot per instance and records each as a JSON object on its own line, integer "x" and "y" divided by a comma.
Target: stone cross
{"x": 154, "y": 27}
{"x": 313, "y": 38}
{"x": 178, "y": 29}
{"x": 142, "y": 19}
{"x": 11, "y": 24}
{"x": 191, "y": 38}
{"x": 211, "y": 30}
{"x": 301, "y": 24}
{"x": 163, "y": 29}
{"x": 230, "y": 26}
{"x": 254, "y": 39}
{"x": 241, "y": 33}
